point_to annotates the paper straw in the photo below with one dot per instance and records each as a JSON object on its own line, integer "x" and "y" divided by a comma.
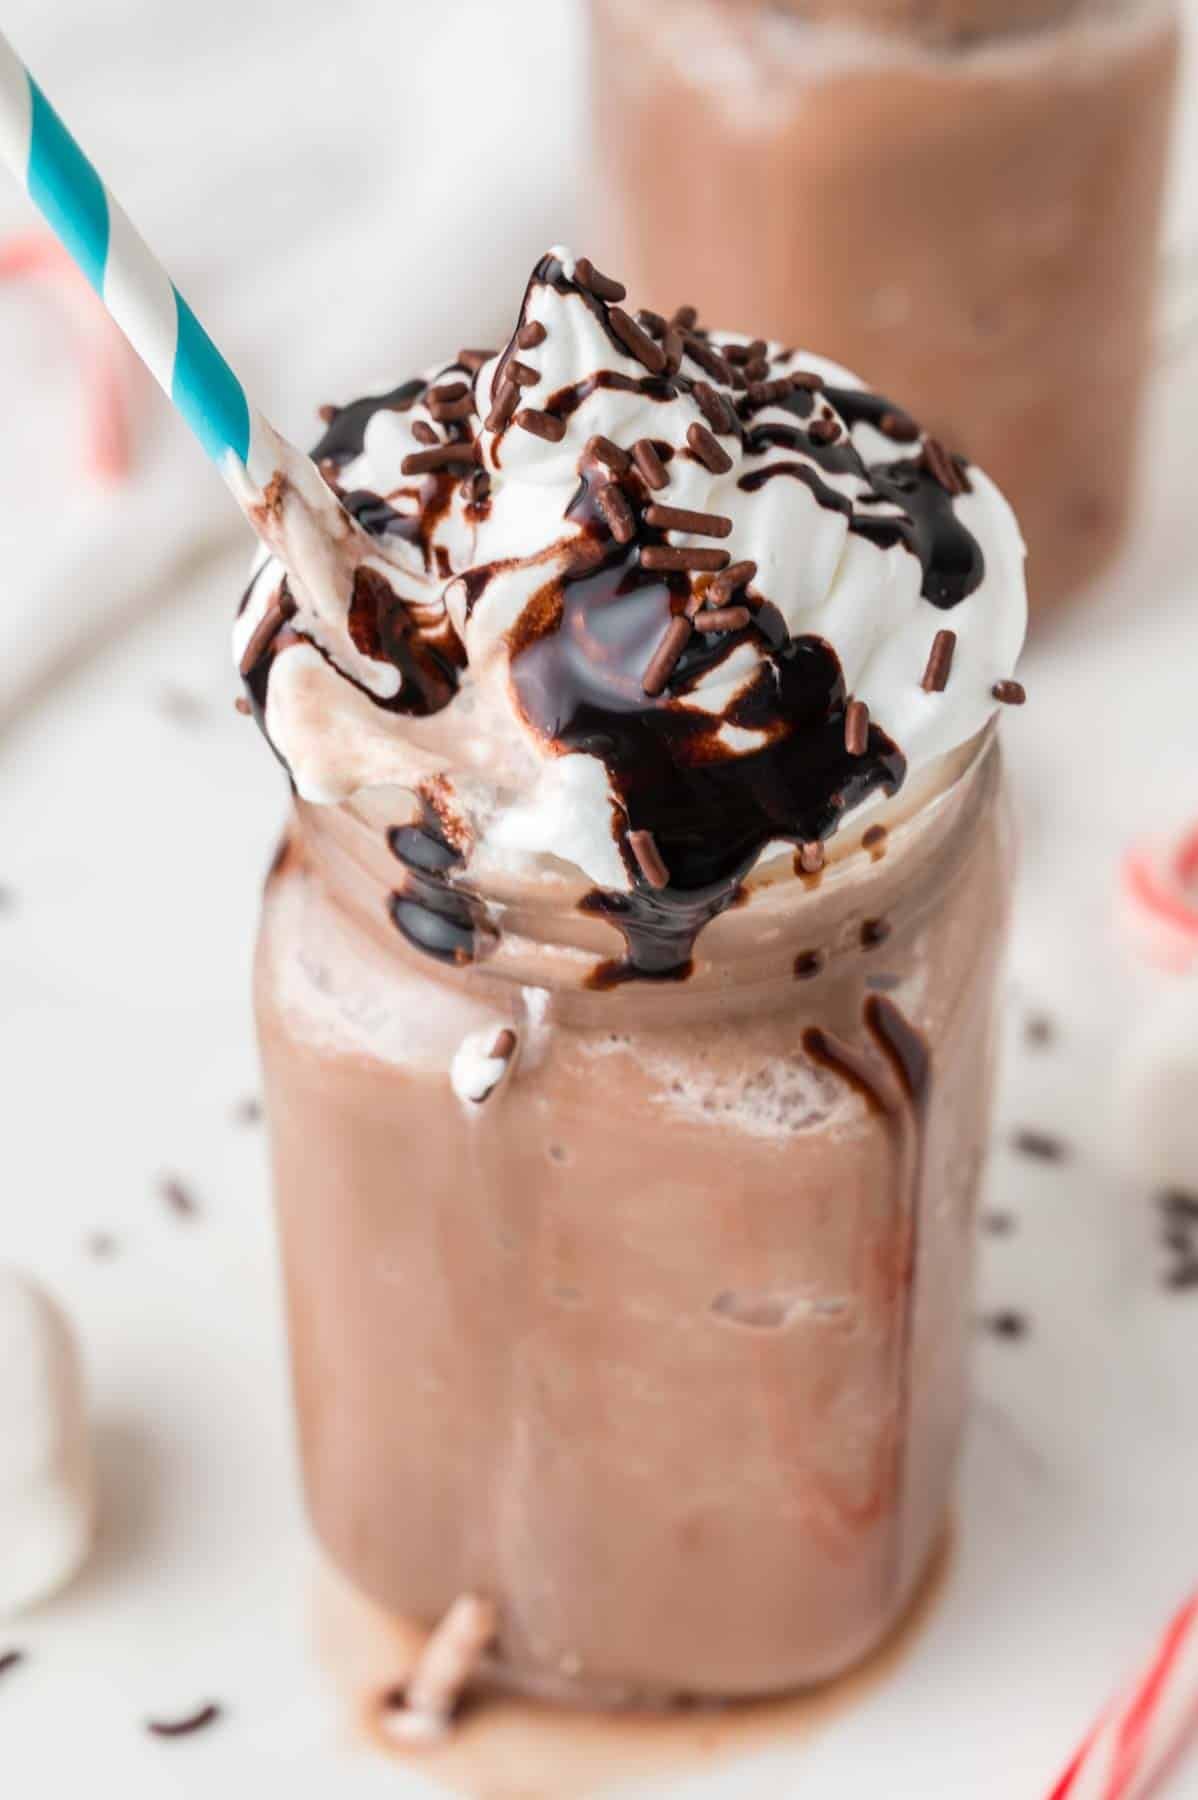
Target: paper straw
{"x": 100, "y": 238}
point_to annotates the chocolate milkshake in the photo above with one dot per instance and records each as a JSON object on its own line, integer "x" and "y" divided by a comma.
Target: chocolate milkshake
{"x": 961, "y": 198}
{"x": 625, "y": 992}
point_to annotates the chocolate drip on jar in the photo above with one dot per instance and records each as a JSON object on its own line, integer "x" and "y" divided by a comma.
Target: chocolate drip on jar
{"x": 434, "y": 916}
{"x": 892, "y": 1070}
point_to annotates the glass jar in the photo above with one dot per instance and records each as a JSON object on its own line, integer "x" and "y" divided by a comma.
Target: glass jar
{"x": 960, "y": 200}
{"x": 643, "y": 1309}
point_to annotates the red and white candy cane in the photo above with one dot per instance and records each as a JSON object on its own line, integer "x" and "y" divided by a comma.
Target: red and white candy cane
{"x": 1137, "y": 1743}
{"x": 104, "y": 361}
{"x": 1160, "y": 888}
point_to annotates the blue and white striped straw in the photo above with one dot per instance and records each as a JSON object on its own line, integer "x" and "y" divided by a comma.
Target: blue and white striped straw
{"x": 139, "y": 294}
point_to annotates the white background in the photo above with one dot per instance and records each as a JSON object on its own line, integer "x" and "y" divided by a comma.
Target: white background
{"x": 291, "y": 163}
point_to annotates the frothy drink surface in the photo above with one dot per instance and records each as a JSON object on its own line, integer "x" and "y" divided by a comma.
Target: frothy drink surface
{"x": 625, "y": 987}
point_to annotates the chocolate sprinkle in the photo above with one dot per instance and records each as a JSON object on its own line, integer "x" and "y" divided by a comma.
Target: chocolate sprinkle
{"x": 710, "y": 453}
{"x": 1039, "y": 1031}
{"x": 649, "y": 465}
{"x": 1040, "y": 1144}
{"x": 174, "y": 1728}
{"x": 811, "y": 857}
{"x": 531, "y": 334}
{"x": 636, "y": 341}
{"x": 450, "y": 412}
{"x": 682, "y": 518}
{"x": 504, "y": 1046}
{"x": 768, "y": 393}
{"x": 438, "y": 456}
{"x": 874, "y": 932}
{"x": 723, "y": 618}
{"x": 823, "y": 431}
{"x": 943, "y": 468}
{"x": 9, "y": 1660}
{"x": 644, "y": 847}
{"x": 611, "y": 455}
{"x": 898, "y": 427}
{"x": 665, "y": 658}
{"x": 856, "y": 728}
{"x": 521, "y": 374}
{"x": 1010, "y": 693}
{"x": 808, "y": 963}
{"x": 682, "y": 556}
{"x": 714, "y": 407}
{"x": 503, "y": 405}
{"x": 242, "y": 705}
{"x": 178, "y": 1197}
{"x": 736, "y": 575}
{"x": 424, "y": 433}
{"x": 685, "y": 318}
{"x": 708, "y": 359}
{"x": 614, "y": 506}
{"x": 541, "y": 425}
{"x": 940, "y": 662}
{"x": 473, "y": 360}
{"x": 602, "y": 286}
{"x": 1006, "y": 1324}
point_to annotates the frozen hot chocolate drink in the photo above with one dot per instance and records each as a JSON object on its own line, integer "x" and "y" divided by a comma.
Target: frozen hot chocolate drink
{"x": 625, "y": 993}
{"x": 961, "y": 198}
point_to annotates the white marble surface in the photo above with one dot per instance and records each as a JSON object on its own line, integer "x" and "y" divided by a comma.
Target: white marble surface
{"x": 133, "y": 833}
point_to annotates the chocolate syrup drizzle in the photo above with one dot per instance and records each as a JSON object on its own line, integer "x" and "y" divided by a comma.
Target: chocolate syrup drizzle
{"x": 577, "y": 677}
{"x": 580, "y": 650}
{"x": 893, "y": 1071}
{"x": 344, "y": 435}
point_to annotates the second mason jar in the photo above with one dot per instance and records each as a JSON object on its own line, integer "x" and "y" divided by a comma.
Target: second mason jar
{"x": 961, "y": 200}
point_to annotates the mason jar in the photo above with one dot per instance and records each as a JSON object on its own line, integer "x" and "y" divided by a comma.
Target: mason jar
{"x": 641, "y": 1308}
{"x": 961, "y": 199}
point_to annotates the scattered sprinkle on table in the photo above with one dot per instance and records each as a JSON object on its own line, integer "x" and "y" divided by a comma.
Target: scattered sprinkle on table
{"x": 179, "y": 1197}
{"x": 196, "y": 1721}
{"x": 1040, "y": 1144}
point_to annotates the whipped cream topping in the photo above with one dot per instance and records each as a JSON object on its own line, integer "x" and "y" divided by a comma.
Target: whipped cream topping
{"x": 649, "y": 600}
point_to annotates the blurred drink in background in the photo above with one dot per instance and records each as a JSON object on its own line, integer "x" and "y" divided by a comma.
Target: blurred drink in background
{"x": 959, "y": 198}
